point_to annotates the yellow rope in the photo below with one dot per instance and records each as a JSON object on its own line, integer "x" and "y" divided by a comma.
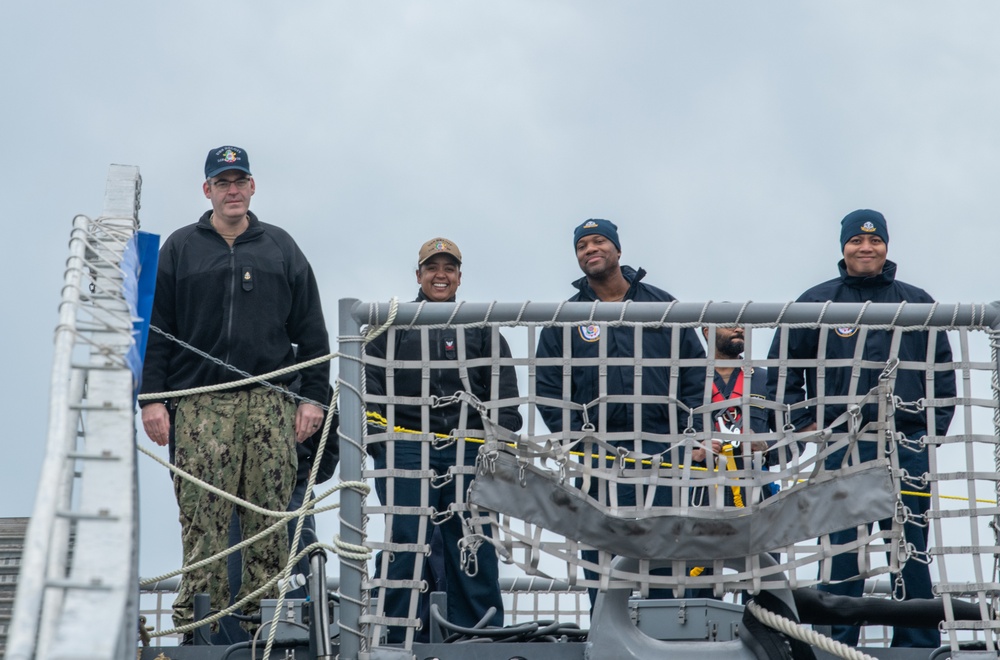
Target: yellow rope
{"x": 376, "y": 419}
{"x": 727, "y": 451}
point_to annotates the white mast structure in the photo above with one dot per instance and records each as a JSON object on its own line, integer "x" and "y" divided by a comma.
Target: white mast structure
{"x": 77, "y": 591}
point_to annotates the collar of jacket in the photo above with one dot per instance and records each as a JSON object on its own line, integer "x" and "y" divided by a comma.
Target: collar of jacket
{"x": 883, "y": 279}
{"x": 632, "y": 275}
{"x": 422, "y": 298}
{"x": 254, "y": 229}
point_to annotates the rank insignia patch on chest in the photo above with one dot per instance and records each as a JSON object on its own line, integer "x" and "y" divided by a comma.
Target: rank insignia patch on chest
{"x": 246, "y": 276}
{"x": 846, "y": 331}
{"x": 590, "y": 332}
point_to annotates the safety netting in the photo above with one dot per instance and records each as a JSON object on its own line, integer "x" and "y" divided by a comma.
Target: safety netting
{"x": 615, "y": 442}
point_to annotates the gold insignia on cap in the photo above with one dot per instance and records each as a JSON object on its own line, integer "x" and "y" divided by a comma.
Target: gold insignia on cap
{"x": 868, "y": 227}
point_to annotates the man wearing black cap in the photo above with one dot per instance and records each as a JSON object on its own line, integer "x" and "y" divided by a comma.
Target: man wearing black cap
{"x": 598, "y": 252}
{"x": 470, "y": 597}
{"x": 241, "y": 292}
{"x": 867, "y": 276}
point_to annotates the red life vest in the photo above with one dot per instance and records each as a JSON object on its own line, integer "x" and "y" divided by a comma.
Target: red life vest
{"x": 731, "y": 390}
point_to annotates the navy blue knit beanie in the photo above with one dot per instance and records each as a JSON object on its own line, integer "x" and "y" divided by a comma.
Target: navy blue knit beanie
{"x": 605, "y": 228}
{"x": 863, "y": 221}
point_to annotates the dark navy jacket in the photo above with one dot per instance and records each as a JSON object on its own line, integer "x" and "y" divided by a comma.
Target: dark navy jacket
{"x": 444, "y": 379}
{"x": 620, "y": 379}
{"x": 245, "y": 305}
{"x": 841, "y": 343}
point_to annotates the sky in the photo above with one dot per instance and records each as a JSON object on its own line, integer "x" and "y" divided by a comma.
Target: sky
{"x": 726, "y": 139}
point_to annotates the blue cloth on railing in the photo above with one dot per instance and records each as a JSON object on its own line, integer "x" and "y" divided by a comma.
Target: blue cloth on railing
{"x": 139, "y": 261}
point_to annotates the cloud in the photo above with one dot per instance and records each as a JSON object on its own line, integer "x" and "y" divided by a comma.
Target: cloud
{"x": 727, "y": 140}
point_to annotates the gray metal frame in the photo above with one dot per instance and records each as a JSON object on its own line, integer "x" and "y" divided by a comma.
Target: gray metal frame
{"x": 931, "y": 315}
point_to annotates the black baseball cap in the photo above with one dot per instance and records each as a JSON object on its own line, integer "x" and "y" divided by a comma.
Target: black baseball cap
{"x": 226, "y": 158}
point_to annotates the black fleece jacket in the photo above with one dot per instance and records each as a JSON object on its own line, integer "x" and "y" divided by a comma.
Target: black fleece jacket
{"x": 244, "y": 305}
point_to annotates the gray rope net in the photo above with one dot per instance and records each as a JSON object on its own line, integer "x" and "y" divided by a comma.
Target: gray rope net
{"x": 574, "y": 485}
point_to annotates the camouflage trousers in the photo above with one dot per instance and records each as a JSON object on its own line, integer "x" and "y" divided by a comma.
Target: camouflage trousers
{"x": 242, "y": 443}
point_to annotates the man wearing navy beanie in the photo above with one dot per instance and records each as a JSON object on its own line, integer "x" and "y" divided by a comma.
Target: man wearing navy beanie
{"x": 863, "y": 222}
{"x": 597, "y": 227}
{"x": 598, "y": 253}
{"x": 867, "y": 276}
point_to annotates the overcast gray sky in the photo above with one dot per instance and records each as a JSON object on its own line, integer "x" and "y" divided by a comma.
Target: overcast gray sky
{"x": 726, "y": 139}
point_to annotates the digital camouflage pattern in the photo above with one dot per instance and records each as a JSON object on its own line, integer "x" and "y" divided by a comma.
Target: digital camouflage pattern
{"x": 242, "y": 443}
